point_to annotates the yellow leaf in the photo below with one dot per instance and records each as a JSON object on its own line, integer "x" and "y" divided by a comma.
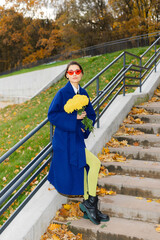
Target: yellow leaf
{"x": 50, "y": 189}
{"x": 27, "y": 126}
{"x": 54, "y": 226}
{"x": 55, "y": 237}
{"x": 158, "y": 228}
{"x": 111, "y": 173}
{"x": 67, "y": 206}
{"x": 140, "y": 198}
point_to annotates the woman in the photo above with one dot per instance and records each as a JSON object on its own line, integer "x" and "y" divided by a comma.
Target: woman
{"x": 74, "y": 170}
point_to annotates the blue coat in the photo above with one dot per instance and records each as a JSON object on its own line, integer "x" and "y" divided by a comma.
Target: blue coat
{"x": 66, "y": 172}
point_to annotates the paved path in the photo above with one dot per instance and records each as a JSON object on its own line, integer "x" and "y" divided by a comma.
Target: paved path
{"x": 22, "y": 87}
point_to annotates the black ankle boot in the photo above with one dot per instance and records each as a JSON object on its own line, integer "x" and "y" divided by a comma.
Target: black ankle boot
{"x": 102, "y": 217}
{"x": 89, "y": 207}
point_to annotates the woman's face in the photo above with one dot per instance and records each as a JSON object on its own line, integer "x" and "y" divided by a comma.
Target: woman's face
{"x": 75, "y": 78}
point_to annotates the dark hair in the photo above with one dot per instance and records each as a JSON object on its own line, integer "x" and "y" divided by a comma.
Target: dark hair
{"x": 73, "y": 63}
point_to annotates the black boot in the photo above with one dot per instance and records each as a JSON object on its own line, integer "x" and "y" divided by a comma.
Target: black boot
{"x": 89, "y": 207}
{"x": 102, "y": 217}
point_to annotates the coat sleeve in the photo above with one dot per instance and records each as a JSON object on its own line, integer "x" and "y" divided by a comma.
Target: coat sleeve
{"x": 59, "y": 118}
{"x": 91, "y": 115}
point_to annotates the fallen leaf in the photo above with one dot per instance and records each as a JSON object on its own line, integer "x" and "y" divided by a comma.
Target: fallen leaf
{"x": 115, "y": 143}
{"x": 67, "y": 206}
{"x": 55, "y": 237}
{"x": 140, "y": 198}
{"x": 158, "y": 228}
{"x": 136, "y": 143}
{"x": 54, "y": 226}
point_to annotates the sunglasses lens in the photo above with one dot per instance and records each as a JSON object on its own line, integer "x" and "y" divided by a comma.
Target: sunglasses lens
{"x": 78, "y": 72}
{"x": 70, "y": 72}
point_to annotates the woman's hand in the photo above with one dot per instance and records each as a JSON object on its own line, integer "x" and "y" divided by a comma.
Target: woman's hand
{"x": 80, "y": 117}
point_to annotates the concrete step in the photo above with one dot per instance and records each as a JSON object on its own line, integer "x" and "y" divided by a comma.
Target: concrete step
{"x": 150, "y": 128}
{"x": 141, "y": 140}
{"x": 142, "y": 153}
{"x": 135, "y": 168}
{"x": 115, "y": 229}
{"x": 135, "y": 186}
{"x": 129, "y": 207}
{"x": 153, "y": 107}
{"x": 147, "y": 118}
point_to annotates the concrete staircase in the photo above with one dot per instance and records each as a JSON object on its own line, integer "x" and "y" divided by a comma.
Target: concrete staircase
{"x": 135, "y": 209}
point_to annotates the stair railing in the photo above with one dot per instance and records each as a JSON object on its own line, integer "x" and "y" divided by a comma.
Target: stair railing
{"x": 117, "y": 83}
{"x": 119, "y": 80}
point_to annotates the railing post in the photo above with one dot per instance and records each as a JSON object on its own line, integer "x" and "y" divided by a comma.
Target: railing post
{"x": 51, "y": 136}
{"x": 97, "y": 90}
{"x": 124, "y": 66}
{"x": 140, "y": 75}
{"x": 155, "y": 56}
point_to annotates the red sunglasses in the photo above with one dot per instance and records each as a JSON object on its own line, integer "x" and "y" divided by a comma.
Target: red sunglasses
{"x": 77, "y": 72}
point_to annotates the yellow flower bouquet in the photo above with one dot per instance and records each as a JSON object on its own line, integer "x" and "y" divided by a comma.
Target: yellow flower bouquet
{"x": 78, "y": 103}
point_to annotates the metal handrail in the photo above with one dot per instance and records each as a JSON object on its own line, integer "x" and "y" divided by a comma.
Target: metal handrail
{"x": 103, "y": 70}
{"x": 24, "y": 176}
{"x": 131, "y": 54}
{"x": 23, "y": 140}
{"x": 26, "y": 184}
{"x": 24, "y": 169}
{"x": 111, "y": 85}
{"x": 97, "y": 102}
{"x": 153, "y": 44}
{"x": 6, "y": 192}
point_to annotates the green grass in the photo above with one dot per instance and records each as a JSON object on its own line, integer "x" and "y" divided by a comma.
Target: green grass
{"x": 18, "y": 120}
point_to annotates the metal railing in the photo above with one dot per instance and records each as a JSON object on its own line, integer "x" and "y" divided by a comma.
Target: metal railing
{"x": 119, "y": 80}
{"x": 117, "y": 83}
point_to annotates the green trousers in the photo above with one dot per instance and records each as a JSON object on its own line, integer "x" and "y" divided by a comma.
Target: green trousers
{"x": 91, "y": 179}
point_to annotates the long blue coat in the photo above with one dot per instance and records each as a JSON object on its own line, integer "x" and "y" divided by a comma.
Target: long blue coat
{"x": 67, "y": 167}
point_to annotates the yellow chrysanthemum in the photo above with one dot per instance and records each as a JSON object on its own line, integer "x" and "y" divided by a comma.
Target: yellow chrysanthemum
{"x": 76, "y": 103}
